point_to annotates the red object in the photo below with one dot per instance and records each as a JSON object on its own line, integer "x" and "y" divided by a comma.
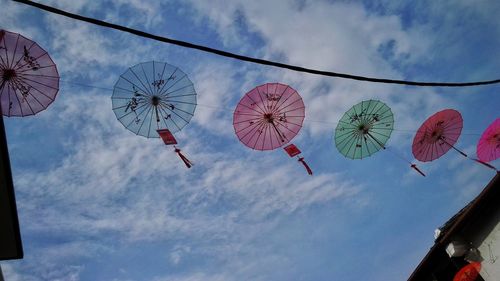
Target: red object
{"x": 309, "y": 171}
{"x": 269, "y": 116}
{"x": 417, "y": 169}
{"x": 292, "y": 150}
{"x": 167, "y": 136}
{"x": 469, "y": 272}
{"x": 29, "y": 81}
{"x": 184, "y": 159}
{"x": 437, "y": 135}
{"x": 488, "y": 147}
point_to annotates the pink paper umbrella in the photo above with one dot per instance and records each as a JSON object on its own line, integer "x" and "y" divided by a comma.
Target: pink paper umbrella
{"x": 29, "y": 80}
{"x": 269, "y": 116}
{"x": 438, "y": 134}
{"x": 488, "y": 148}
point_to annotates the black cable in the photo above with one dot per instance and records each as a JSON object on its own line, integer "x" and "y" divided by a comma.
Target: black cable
{"x": 250, "y": 59}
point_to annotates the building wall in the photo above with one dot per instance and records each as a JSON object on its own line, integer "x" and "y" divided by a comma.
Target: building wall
{"x": 490, "y": 252}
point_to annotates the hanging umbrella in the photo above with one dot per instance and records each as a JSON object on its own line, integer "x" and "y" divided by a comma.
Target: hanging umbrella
{"x": 469, "y": 272}
{"x": 153, "y": 96}
{"x": 488, "y": 148}
{"x": 269, "y": 116}
{"x": 438, "y": 134}
{"x": 29, "y": 80}
{"x": 365, "y": 129}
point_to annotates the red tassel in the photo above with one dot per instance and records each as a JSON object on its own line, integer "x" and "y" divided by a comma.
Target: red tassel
{"x": 485, "y": 164}
{"x": 184, "y": 159}
{"x": 417, "y": 169}
{"x": 309, "y": 171}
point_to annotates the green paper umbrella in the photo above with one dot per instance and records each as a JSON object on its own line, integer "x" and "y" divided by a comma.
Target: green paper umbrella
{"x": 364, "y": 129}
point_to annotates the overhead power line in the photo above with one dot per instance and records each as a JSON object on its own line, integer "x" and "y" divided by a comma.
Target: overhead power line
{"x": 251, "y": 59}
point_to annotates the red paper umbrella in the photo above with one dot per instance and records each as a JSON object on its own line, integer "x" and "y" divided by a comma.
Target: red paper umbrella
{"x": 469, "y": 272}
{"x": 29, "y": 80}
{"x": 437, "y": 135}
{"x": 269, "y": 116}
{"x": 488, "y": 148}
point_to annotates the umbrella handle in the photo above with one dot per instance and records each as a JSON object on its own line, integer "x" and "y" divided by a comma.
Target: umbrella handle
{"x": 184, "y": 159}
{"x": 414, "y": 166}
{"x": 486, "y": 164}
{"x": 309, "y": 171}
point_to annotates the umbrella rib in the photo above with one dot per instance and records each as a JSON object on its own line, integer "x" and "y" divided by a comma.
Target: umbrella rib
{"x": 282, "y": 122}
{"x": 144, "y": 119}
{"x": 248, "y": 114}
{"x": 34, "y": 81}
{"x": 249, "y": 131}
{"x": 367, "y": 147}
{"x": 290, "y": 104}
{"x": 147, "y": 79}
{"x": 168, "y": 79}
{"x": 165, "y": 91}
{"x": 264, "y": 110}
{"x": 259, "y": 130}
{"x": 252, "y": 109}
{"x": 179, "y": 115}
{"x": 284, "y": 136}
{"x": 273, "y": 108}
{"x": 33, "y": 87}
{"x": 166, "y": 94}
{"x": 176, "y": 101}
{"x": 164, "y": 119}
{"x": 382, "y": 145}
{"x": 29, "y": 105}
{"x": 271, "y": 137}
{"x": 13, "y": 53}
{"x": 254, "y": 124}
{"x": 17, "y": 98}
{"x": 255, "y": 132}
{"x": 3, "y": 63}
{"x": 140, "y": 81}
{"x": 140, "y": 106}
{"x": 177, "y": 108}
{"x": 247, "y": 120}
{"x": 266, "y": 127}
{"x": 249, "y": 96}
{"x": 36, "y": 75}
{"x": 173, "y": 121}
{"x": 133, "y": 84}
{"x": 22, "y": 71}
{"x": 270, "y": 102}
{"x": 20, "y": 82}
{"x": 348, "y": 131}
{"x": 161, "y": 77}
{"x": 26, "y": 63}
{"x": 297, "y": 108}
{"x": 187, "y": 95}
{"x": 277, "y": 108}
{"x": 346, "y": 141}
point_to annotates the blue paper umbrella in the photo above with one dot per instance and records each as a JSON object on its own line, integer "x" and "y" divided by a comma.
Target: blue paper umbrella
{"x": 154, "y": 95}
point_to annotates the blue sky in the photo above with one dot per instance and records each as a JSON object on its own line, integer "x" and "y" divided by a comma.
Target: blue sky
{"x": 97, "y": 202}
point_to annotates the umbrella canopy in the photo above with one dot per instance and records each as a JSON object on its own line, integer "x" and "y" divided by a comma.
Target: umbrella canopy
{"x": 364, "y": 129}
{"x": 29, "y": 80}
{"x": 488, "y": 147}
{"x": 269, "y": 116}
{"x": 154, "y": 95}
{"x": 437, "y": 135}
{"x": 469, "y": 272}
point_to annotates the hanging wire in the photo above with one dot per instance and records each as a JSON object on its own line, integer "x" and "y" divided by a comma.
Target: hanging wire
{"x": 251, "y": 59}
{"x": 215, "y": 107}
